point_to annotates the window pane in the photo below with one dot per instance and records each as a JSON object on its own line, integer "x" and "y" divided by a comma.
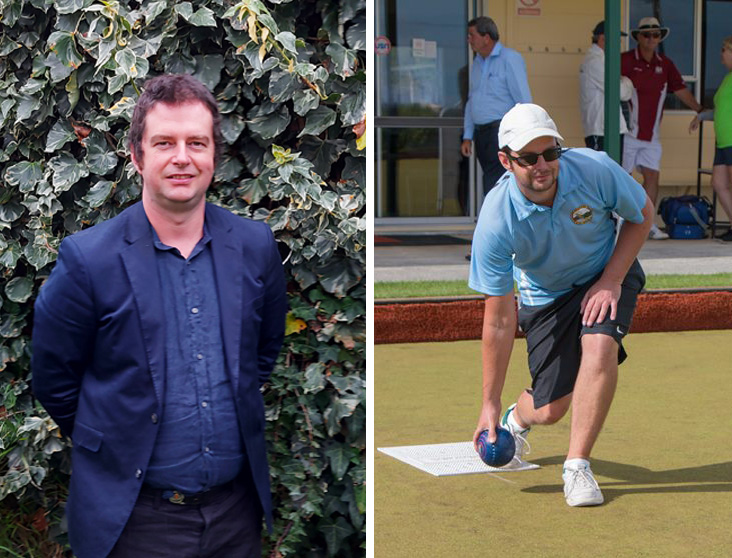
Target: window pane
{"x": 678, "y": 16}
{"x": 422, "y": 173}
{"x": 718, "y": 18}
{"x": 426, "y": 71}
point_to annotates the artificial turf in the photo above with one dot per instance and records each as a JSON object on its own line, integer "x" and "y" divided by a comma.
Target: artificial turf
{"x": 663, "y": 459}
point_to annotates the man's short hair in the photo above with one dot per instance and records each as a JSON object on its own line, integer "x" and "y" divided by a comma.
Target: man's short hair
{"x": 173, "y": 89}
{"x": 485, "y": 26}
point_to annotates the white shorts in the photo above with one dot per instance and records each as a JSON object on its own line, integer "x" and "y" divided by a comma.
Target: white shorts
{"x": 639, "y": 153}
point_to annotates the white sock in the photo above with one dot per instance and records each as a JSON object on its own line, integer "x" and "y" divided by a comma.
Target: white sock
{"x": 515, "y": 426}
{"x": 576, "y": 463}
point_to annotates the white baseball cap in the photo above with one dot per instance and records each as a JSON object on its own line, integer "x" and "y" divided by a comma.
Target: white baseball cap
{"x": 524, "y": 123}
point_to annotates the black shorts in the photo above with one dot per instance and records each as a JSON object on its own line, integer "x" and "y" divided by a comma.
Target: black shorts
{"x": 554, "y": 331}
{"x": 723, "y": 156}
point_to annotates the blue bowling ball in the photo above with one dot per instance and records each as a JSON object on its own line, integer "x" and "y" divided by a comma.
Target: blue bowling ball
{"x": 500, "y": 453}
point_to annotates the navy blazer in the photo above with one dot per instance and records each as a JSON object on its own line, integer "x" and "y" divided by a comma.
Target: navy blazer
{"x": 99, "y": 356}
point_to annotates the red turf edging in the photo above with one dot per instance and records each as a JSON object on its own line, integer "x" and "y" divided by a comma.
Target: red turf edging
{"x": 463, "y": 319}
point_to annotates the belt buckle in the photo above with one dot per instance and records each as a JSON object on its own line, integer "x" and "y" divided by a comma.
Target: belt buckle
{"x": 176, "y": 498}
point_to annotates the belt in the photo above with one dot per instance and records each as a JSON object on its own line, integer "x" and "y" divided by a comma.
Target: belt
{"x": 493, "y": 124}
{"x": 183, "y": 499}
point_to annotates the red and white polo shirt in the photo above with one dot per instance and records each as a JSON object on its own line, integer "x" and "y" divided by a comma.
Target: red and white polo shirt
{"x": 651, "y": 81}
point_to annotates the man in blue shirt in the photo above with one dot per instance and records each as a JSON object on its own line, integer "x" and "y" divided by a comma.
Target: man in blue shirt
{"x": 549, "y": 225}
{"x": 152, "y": 338}
{"x": 498, "y": 82}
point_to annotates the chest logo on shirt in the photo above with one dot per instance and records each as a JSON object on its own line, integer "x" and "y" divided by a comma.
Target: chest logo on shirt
{"x": 581, "y": 215}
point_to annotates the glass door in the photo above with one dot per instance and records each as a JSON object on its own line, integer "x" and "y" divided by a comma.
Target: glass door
{"x": 422, "y": 73}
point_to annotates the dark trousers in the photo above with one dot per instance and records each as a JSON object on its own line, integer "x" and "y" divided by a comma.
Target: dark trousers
{"x": 598, "y": 143}
{"x": 227, "y": 526}
{"x": 485, "y": 138}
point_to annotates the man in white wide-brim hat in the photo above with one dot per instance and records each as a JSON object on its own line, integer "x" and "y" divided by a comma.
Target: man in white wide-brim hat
{"x": 653, "y": 75}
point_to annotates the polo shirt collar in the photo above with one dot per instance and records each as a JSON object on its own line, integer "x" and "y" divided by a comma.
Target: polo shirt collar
{"x": 524, "y": 207}
{"x": 656, "y": 56}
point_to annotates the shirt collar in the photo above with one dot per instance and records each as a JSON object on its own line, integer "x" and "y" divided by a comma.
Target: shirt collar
{"x": 525, "y": 207}
{"x": 205, "y": 239}
{"x": 497, "y": 48}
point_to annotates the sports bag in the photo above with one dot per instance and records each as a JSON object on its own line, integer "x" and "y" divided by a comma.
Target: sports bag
{"x": 686, "y": 216}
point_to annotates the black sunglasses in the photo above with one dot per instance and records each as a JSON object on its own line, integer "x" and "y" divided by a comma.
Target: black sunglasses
{"x": 651, "y": 35}
{"x": 529, "y": 159}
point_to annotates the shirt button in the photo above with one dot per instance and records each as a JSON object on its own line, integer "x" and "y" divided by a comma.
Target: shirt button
{"x": 138, "y": 473}
{"x": 154, "y": 418}
{"x": 194, "y": 310}
{"x": 206, "y": 449}
{"x": 204, "y": 404}
{"x": 199, "y": 356}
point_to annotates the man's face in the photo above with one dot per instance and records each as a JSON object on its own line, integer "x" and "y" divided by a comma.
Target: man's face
{"x": 538, "y": 182}
{"x": 177, "y": 164}
{"x": 479, "y": 43}
{"x": 649, "y": 39}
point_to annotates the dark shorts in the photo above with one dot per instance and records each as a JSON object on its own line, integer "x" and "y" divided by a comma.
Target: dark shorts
{"x": 554, "y": 331}
{"x": 723, "y": 156}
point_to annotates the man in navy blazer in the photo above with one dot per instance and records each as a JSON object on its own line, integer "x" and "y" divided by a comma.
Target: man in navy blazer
{"x": 152, "y": 338}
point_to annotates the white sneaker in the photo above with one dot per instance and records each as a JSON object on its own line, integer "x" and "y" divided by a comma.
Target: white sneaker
{"x": 519, "y": 436}
{"x": 656, "y": 234}
{"x": 580, "y": 487}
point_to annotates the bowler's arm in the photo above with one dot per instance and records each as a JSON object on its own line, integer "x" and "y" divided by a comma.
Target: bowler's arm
{"x": 63, "y": 337}
{"x": 274, "y": 309}
{"x": 499, "y": 329}
{"x": 603, "y": 296}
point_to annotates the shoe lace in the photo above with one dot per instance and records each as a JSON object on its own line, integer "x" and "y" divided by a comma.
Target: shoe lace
{"x": 582, "y": 478}
{"x": 522, "y": 445}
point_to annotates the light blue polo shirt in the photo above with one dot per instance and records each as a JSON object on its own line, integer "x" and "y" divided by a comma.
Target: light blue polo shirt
{"x": 550, "y": 250}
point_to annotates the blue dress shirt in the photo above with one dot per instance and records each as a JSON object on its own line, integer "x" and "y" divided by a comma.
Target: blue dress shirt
{"x": 498, "y": 83}
{"x": 198, "y": 444}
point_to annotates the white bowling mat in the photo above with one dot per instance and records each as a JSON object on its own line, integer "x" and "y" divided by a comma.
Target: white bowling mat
{"x": 450, "y": 459}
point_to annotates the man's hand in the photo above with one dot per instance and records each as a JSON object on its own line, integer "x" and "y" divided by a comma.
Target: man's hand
{"x": 694, "y": 124}
{"x": 466, "y": 148}
{"x": 601, "y": 297}
{"x": 489, "y": 418}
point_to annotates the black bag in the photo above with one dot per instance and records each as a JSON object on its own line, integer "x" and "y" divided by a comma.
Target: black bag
{"x": 686, "y": 216}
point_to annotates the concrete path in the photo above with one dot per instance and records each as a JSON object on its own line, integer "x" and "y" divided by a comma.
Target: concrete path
{"x": 447, "y": 262}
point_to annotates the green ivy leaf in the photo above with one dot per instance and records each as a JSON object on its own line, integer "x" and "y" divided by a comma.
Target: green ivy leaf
{"x": 203, "y": 17}
{"x": 24, "y": 175}
{"x": 19, "y": 289}
{"x": 339, "y": 276}
{"x": 339, "y": 457}
{"x": 282, "y": 86}
{"x": 335, "y": 532}
{"x": 322, "y": 153}
{"x": 99, "y": 158}
{"x": 62, "y": 44}
{"x": 318, "y": 120}
{"x": 11, "y": 254}
{"x": 208, "y": 69}
{"x": 305, "y": 100}
{"x": 314, "y": 378}
{"x": 268, "y": 125}
{"x": 231, "y": 127}
{"x": 287, "y": 40}
{"x": 9, "y": 212}
{"x": 67, "y": 171}
{"x": 70, "y": 6}
{"x": 99, "y": 193}
{"x": 252, "y": 190}
{"x": 344, "y": 60}
{"x": 60, "y": 135}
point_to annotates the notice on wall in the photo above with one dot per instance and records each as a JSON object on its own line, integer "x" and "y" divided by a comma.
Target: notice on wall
{"x": 418, "y": 48}
{"x": 528, "y": 7}
{"x": 430, "y": 49}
